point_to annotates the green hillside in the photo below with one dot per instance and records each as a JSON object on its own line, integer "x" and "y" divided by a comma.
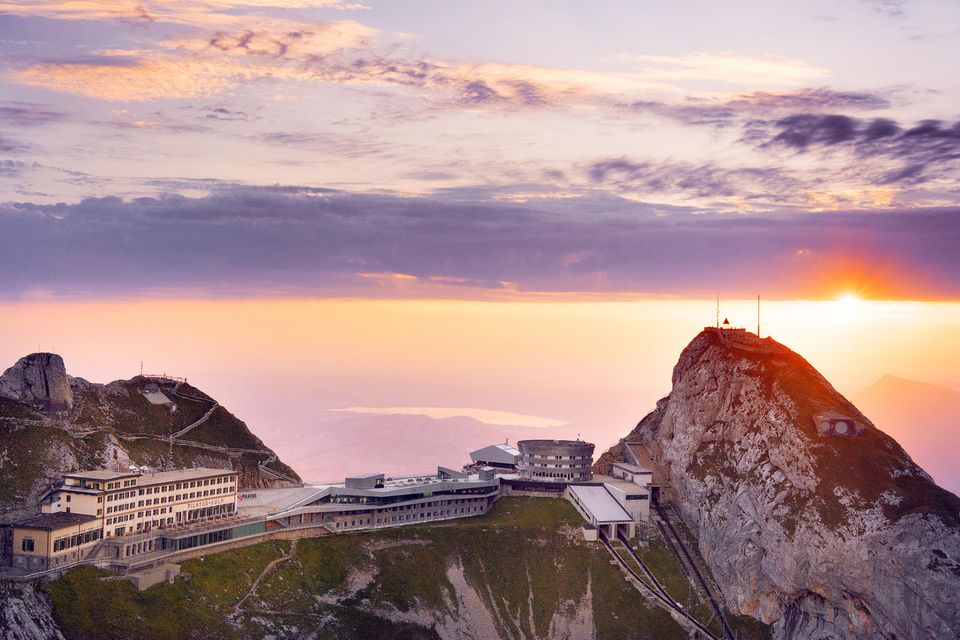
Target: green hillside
{"x": 522, "y": 571}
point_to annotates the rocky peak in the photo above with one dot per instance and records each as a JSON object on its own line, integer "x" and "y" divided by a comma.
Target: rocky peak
{"x": 40, "y": 380}
{"x": 810, "y": 517}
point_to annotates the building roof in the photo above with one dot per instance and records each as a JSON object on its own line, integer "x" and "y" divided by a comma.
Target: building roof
{"x": 102, "y": 474}
{"x": 625, "y": 486}
{"x": 600, "y": 504}
{"x": 642, "y": 455}
{"x": 180, "y": 475}
{"x": 632, "y": 468}
{"x": 156, "y": 397}
{"x": 267, "y": 501}
{"x": 53, "y": 521}
{"x": 555, "y": 441}
{"x": 149, "y": 478}
{"x": 499, "y": 453}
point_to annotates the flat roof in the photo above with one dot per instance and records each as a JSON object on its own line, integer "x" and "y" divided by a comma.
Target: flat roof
{"x": 148, "y": 478}
{"x": 632, "y": 467}
{"x": 53, "y": 521}
{"x": 629, "y": 488}
{"x": 102, "y": 474}
{"x": 180, "y": 475}
{"x": 601, "y": 505}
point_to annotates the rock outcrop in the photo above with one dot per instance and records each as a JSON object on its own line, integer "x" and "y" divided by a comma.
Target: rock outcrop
{"x": 26, "y": 614}
{"x": 810, "y": 518}
{"x": 40, "y": 380}
{"x": 51, "y": 423}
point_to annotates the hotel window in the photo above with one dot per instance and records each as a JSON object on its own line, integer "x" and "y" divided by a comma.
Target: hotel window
{"x": 27, "y": 544}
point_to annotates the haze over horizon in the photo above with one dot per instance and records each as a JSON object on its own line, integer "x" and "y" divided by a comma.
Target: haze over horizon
{"x": 526, "y": 208}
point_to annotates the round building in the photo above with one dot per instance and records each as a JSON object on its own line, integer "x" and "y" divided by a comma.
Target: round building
{"x": 555, "y": 460}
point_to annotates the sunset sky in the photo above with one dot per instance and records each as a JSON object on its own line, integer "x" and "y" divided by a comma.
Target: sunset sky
{"x": 521, "y": 206}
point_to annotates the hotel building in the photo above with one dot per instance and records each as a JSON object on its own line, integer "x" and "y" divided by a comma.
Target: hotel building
{"x": 115, "y": 514}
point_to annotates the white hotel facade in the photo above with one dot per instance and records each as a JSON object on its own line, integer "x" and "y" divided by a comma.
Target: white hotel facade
{"x": 133, "y": 502}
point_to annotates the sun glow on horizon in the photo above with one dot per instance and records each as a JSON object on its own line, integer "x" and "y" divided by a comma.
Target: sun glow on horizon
{"x": 849, "y": 302}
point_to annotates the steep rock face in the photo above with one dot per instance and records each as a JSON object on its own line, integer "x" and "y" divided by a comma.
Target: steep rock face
{"x": 163, "y": 424}
{"x": 26, "y": 614}
{"x": 39, "y": 379}
{"x": 810, "y": 517}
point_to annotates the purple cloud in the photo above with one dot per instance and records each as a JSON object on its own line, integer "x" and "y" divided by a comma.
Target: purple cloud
{"x": 300, "y": 241}
{"x": 928, "y": 148}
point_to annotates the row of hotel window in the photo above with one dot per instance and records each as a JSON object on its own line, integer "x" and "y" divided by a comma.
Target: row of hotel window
{"x": 171, "y": 487}
{"x": 66, "y": 542}
{"x": 537, "y": 456}
{"x": 174, "y": 498}
{"x": 141, "y": 514}
{"x": 556, "y": 466}
{"x": 550, "y": 474}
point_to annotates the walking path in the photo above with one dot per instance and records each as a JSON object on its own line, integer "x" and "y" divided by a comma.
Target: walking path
{"x": 287, "y": 555}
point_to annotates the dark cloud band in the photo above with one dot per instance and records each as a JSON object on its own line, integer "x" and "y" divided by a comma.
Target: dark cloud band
{"x": 296, "y": 241}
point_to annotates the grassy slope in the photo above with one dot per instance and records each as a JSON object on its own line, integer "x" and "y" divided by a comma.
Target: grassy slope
{"x": 661, "y": 561}
{"x": 519, "y": 549}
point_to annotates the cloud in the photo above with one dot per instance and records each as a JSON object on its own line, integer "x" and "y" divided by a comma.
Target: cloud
{"x": 182, "y": 12}
{"x": 129, "y": 80}
{"x": 704, "y": 180}
{"x": 888, "y": 8}
{"x": 11, "y": 168}
{"x": 739, "y": 109}
{"x": 930, "y": 147}
{"x": 300, "y": 241}
{"x": 29, "y": 114}
{"x": 11, "y": 146}
{"x": 726, "y": 67}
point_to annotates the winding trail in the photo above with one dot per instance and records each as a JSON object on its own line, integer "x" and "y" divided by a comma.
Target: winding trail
{"x": 196, "y": 424}
{"x": 287, "y": 556}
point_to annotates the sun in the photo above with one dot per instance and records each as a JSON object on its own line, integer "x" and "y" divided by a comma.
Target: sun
{"x": 849, "y": 303}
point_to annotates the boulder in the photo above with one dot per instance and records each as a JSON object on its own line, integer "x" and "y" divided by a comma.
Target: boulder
{"x": 40, "y": 380}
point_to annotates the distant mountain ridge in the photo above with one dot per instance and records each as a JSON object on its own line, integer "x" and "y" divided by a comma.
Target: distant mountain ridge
{"x": 822, "y": 530}
{"x": 51, "y": 423}
{"x": 923, "y": 417}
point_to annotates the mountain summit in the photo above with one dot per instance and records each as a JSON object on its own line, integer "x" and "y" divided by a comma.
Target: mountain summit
{"x": 810, "y": 517}
{"x": 51, "y": 423}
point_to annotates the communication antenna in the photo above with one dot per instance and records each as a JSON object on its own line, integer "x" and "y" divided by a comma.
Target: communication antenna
{"x": 141, "y": 368}
{"x": 758, "y": 316}
{"x": 718, "y": 311}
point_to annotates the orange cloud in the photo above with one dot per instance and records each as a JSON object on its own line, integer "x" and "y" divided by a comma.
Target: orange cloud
{"x": 191, "y": 12}
{"x": 141, "y": 80}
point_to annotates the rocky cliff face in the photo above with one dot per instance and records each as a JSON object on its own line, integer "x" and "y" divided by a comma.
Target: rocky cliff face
{"x": 810, "y": 517}
{"x": 51, "y": 423}
{"x": 39, "y": 380}
{"x": 26, "y": 614}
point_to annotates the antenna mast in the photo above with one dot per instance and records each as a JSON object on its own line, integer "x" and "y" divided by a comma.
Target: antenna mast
{"x": 758, "y": 316}
{"x": 718, "y": 311}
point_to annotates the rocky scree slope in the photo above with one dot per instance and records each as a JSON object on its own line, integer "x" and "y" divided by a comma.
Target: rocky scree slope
{"x": 51, "y": 423}
{"x": 810, "y": 518}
